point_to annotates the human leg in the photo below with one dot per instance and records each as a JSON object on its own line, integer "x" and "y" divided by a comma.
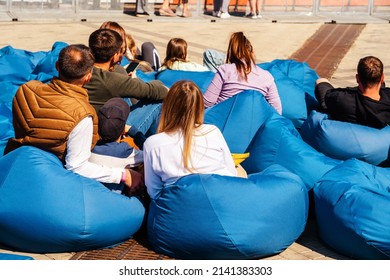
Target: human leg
{"x": 145, "y": 116}
{"x": 150, "y": 55}
{"x": 225, "y": 9}
{"x": 165, "y": 10}
{"x": 212, "y": 59}
{"x": 186, "y": 12}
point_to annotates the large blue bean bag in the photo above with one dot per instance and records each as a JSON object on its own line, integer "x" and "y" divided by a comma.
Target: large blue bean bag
{"x": 295, "y": 82}
{"x": 352, "y": 204}
{"x": 45, "y": 208}
{"x": 250, "y": 124}
{"x": 201, "y": 78}
{"x": 344, "y": 140}
{"x": 18, "y": 67}
{"x": 221, "y": 217}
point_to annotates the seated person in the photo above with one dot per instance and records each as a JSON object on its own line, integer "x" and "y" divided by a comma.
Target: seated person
{"x": 184, "y": 144}
{"x": 110, "y": 150}
{"x": 366, "y": 104}
{"x": 241, "y": 73}
{"x": 177, "y": 57}
{"x": 57, "y": 117}
{"x": 106, "y": 46}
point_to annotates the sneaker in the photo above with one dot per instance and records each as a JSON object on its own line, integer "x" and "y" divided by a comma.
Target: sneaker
{"x": 259, "y": 16}
{"x": 224, "y": 15}
{"x": 216, "y": 13}
{"x": 179, "y": 10}
{"x": 252, "y": 16}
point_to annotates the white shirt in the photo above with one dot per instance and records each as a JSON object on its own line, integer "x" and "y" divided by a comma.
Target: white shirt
{"x": 79, "y": 151}
{"x": 163, "y": 157}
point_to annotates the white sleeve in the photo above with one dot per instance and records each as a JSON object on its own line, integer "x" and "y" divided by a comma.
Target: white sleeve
{"x": 79, "y": 151}
{"x": 153, "y": 181}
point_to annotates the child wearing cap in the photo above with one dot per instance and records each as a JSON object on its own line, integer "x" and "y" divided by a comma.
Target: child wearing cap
{"x": 110, "y": 150}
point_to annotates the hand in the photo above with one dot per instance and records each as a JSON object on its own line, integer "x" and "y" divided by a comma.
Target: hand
{"x": 134, "y": 181}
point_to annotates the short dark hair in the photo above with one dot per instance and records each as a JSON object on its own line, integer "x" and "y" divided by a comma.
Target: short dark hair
{"x": 74, "y": 61}
{"x": 104, "y": 43}
{"x": 370, "y": 70}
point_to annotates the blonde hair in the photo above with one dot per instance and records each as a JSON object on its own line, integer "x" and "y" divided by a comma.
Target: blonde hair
{"x": 176, "y": 51}
{"x": 240, "y": 52}
{"x": 183, "y": 111}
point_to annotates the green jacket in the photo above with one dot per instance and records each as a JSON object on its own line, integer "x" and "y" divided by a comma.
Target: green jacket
{"x": 105, "y": 85}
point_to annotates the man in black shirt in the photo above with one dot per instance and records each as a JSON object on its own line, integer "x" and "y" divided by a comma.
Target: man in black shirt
{"x": 367, "y": 104}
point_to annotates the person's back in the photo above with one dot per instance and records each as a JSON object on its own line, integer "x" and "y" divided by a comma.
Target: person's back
{"x": 367, "y": 104}
{"x": 184, "y": 145}
{"x": 241, "y": 73}
{"x": 177, "y": 57}
{"x": 45, "y": 114}
{"x": 106, "y": 45}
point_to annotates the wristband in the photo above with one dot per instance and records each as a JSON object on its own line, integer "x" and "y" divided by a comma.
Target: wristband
{"x": 123, "y": 176}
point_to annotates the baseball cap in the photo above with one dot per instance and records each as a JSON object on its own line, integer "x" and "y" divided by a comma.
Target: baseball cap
{"x": 112, "y": 119}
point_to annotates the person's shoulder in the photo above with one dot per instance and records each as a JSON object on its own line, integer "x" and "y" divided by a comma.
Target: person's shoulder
{"x": 156, "y": 140}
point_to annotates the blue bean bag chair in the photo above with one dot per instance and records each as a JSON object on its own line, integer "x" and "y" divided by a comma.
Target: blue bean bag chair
{"x": 45, "y": 208}
{"x": 250, "y": 124}
{"x": 14, "y": 257}
{"x": 201, "y": 79}
{"x": 221, "y": 217}
{"x": 342, "y": 140}
{"x": 352, "y": 209}
{"x": 18, "y": 67}
{"x": 295, "y": 82}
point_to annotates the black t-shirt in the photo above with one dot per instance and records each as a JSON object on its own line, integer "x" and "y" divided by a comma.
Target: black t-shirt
{"x": 350, "y": 105}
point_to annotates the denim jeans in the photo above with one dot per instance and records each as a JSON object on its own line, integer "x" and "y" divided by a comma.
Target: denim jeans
{"x": 145, "y": 116}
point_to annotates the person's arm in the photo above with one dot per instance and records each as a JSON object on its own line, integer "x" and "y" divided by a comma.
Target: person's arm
{"x": 153, "y": 181}
{"x": 212, "y": 93}
{"x": 138, "y": 137}
{"x": 273, "y": 97}
{"x": 79, "y": 151}
{"x": 227, "y": 156}
{"x": 321, "y": 89}
{"x": 126, "y": 86}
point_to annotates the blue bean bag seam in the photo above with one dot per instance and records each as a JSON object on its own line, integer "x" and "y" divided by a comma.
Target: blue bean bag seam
{"x": 231, "y": 240}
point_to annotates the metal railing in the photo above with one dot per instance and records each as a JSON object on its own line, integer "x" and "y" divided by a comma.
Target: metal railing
{"x": 315, "y": 7}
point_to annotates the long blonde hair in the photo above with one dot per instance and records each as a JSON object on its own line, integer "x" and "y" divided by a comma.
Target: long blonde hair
{"x": 240, "y": 52}
{"x": 176, "y": 51}
{"x": 183, "y": 111}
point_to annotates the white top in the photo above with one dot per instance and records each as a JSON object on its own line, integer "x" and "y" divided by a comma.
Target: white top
{"x": 186, "y": 66}
{"x": 163, "y": 157}
{"x": 79, "y": 151}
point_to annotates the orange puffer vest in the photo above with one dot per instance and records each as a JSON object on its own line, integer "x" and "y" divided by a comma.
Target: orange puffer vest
{"x": 45, "y": 114}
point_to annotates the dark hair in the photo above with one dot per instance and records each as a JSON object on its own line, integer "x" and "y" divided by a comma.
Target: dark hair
{"x": 104, "y": 43}
{"x": 176, "y": 51}
{"x": 240, "y": 52}
{"x": 74, "y": 61}
{"x": 370, "y": 70}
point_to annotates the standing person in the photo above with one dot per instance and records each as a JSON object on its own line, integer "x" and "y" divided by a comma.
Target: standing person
{"x": 142, "y": 9}
{"x": 240, "y": 73}
{"x": 165, "y": 10}
{"x": 58, "y": 118}
{"x": 184, "y": 144}
{"x": 221, "y": 9}
{"x": 105, "y": 84}
{"x": 177, "y": 57}
{"x": 368, "y": 103}
{"x": 255, "y": 8}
